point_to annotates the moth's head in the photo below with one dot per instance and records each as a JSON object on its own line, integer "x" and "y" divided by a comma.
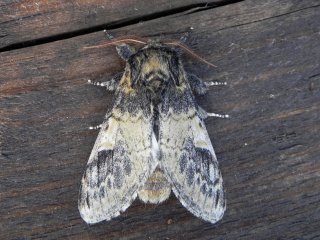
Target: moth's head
{"x": 154, "y": 65}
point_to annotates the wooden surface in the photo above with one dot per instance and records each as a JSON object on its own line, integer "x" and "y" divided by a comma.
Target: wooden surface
{"x": 268, "y": 52}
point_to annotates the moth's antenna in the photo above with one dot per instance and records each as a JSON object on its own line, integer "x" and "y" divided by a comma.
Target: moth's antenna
{"x": 116, "y": 41}
{"x": 188, "y": 50}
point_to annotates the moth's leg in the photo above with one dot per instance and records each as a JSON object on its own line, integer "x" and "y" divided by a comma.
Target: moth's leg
{"x": 201, "y": 87}
{"x": 106, "y": 118}
{"x": 95, "y": 127}
{"x": 218, "y": 115}
{"x": 110, "y": 85}
{"x": 215, "y": 83}
{"x": 203, "y": 114}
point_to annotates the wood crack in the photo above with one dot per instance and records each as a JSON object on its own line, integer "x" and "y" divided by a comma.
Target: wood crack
{"x": 192, "y": 8}
{"x": 209, "y": 6}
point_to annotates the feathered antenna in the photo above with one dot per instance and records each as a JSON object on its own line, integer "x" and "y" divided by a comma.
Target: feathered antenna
{"x": 135, "y": 39}
{"x": 188, "y": 50}
{"x": 115, "y": 41}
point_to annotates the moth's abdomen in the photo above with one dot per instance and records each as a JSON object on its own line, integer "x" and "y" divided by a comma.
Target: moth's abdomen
{"x": 157, "y": 189}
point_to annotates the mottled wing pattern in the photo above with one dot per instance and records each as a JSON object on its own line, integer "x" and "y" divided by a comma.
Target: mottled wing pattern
{"x": 121, "y": 161}
{"x": 188, "y": 158}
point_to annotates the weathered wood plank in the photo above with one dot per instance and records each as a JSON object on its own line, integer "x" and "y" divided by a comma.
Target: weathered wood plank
{"x": 268, "y": 151}
{"x": 26, "y": 20}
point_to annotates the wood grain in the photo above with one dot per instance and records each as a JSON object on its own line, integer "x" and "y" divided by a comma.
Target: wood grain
{"x": 268, "y": 150}
{"x": 27, "y": 21}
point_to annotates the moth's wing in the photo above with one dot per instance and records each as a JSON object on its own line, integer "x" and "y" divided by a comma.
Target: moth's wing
{"x": 122, "y": 159}
{"x": 188, "y": 158}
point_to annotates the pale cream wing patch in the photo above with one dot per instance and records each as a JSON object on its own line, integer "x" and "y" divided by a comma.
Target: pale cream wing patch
{"x": 121, "y": 161}
{"x": 190, "y": 164}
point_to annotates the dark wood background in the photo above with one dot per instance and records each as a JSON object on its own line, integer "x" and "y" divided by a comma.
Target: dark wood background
{"x": 267, "y": 51}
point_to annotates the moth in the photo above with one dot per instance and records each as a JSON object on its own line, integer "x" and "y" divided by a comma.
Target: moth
{"x": 153, "y": 140}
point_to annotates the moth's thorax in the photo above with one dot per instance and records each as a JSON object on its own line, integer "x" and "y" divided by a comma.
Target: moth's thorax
{"x": 152, "y": 65}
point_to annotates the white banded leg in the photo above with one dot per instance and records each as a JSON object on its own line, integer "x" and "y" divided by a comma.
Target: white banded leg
{"x": 215, "y": 83}
{"x": 95, "y": 127}
{"x": 203, "y": 114}
{"x": 98, "y": 83}
{"x": 110, "y": 85}
{"x": 217, "y": 115}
